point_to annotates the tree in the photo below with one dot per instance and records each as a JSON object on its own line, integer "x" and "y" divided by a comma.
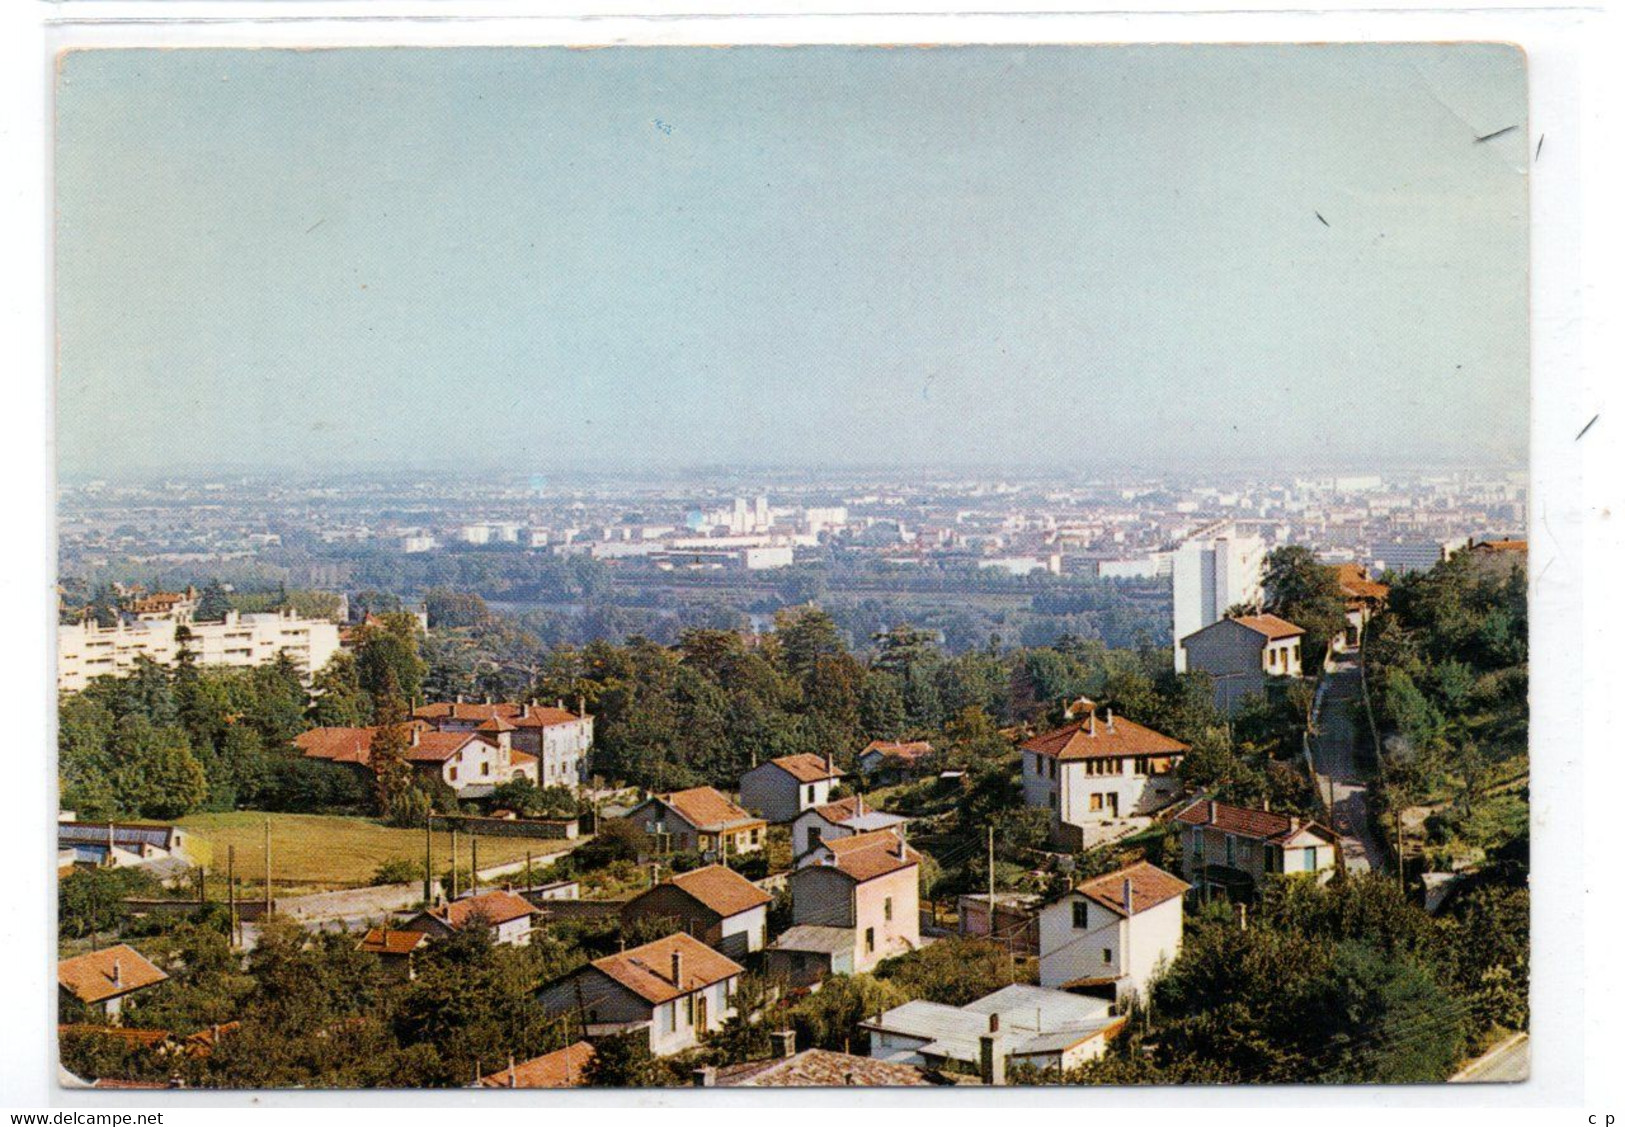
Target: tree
{"x": 1302, "y": 590}
{"x": 804, "y": 636}
{"x": 621, "y": 1061}
{"x": 953, "y": 971}
{"x": 387, "y": 658}
{"x": 337, "y": 699}
{"x": 213, "y": 604}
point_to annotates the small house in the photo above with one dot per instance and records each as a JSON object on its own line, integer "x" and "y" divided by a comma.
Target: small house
{"x": 1241, "y": 654}
{"x": 701, "y": 820}
{"x": 1231, "y": 848}
{"x": 509, "y": 917}
{"x": 101, "y": 980}
{"x": 715, "y": 905}
{"x": 1112, "y": 935}
{"x": 841, "y": 818}
{"x": 782, "y": 788}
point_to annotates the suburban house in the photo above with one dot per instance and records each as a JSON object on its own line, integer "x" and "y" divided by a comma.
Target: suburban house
{"x": 1113, "y": 934}
{"x": 395, "y": 949}
{"x": 841, "y": 818}
{"x": 562, "y": 1068}
{"x": 676, "y": 988}
{"x": 101, "y": 980}
{"x": 854, "y": 903}
{"x": 1020, "y": 1024}
{"x": 1097, "y": 770}
{"x": 1362, "y": 598}
{"x": 814, "y": 1068}
{"x": 164, "y": 851}
{"x": 1231, "y": 848}
{"x": 715, "y": 905}
{"x": 1497, "y": 557}
{"x": 1242, "y": 653}
{"x": 559, "y": 740}
{"x": 1013, "y": 920}
{"x": 700, "y": 819}
{"x": 471, "y": 763}
{"x": 782, "y": 788}
{"x": 889, "y": 759}
{"x": 509, "y": 917}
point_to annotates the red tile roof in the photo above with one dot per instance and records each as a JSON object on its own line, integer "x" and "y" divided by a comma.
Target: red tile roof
{"x": 109, "y": 973}
{"x": 646, "y": 970}
{"x": 823, "y": 1068}
{"x": 493, "y": 908}
{"x": 1094, "y": 737}
{"x": 869, "y": 855}
{"x": 1269, "y": 625}
{"x": 806, "y": 768}
{"x": 1500, "y": 546}
{"x": 562, "y": 1068}
{"x": 388, "y": 941}
{"x": 1244, "y": 821}
{"x": 721, "y": 889}
{"x": 706, "y": 808}
{"x": 144, "y": 1038}
{"x": 519, "y": 715}
{"x": 1151, "y": 886}
{"x": 1357, "y": 584}
{"x": 354, "y": 745}
{"x": 907, "y": 752}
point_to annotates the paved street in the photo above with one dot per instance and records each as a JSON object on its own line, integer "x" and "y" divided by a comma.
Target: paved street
{"x": 1507, "y": 1063}
{"x": 1339, "y": 770}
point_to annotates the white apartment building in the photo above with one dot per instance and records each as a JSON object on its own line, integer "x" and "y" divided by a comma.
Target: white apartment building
{"x": 1214, "y": 569}
{"x": 86, "y": 651}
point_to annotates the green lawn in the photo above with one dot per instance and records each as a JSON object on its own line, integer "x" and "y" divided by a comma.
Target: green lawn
{"x": 311, "y": 852}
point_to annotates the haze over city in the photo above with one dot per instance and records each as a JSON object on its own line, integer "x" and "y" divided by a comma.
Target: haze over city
{"x": 544, "y": 259}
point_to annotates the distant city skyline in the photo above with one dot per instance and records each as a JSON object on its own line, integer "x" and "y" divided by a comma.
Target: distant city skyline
{"x": 834, "y": 258}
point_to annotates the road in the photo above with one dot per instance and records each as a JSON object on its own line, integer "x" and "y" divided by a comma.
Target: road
{"x": 1507, "y": 1063}
{"x": 1339, "y": 770}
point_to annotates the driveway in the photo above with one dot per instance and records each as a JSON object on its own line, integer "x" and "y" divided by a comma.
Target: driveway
{"x": 1338, "y": 768}
{"x": 1507, "y": 1063}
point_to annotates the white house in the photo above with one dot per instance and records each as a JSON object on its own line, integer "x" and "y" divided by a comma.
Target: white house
{"x": 559, "y": 740}
{"x": 782, "y": 788}
{"x": 676, "y": 988}
{"x": 509, "y": 917}
{"x": 1031, "y": 1025}
{"x": 471, "y": 763}
{"x": 1113, "y": 934}
{"x": 1232, "y": 847}
{"x": 1097, "y": 770}
{"x": 715, "y": 905}
{"x": 841, "y": 818}
{"x": 1242, "y": 653}
{"x": 101, "y": 980}
{"x": 853, "y": 902}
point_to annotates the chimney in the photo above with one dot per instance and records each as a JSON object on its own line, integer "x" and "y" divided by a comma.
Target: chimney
{"x": 705, "y": 1077}
{"x": 829, "y": 763}
{"x": 784, "y": 1043}
{"x": 524, "y": 711}
{"x": 581, "y": 706}
{"x": 902, "y": 850}
{"x": 1292, "y": 824}
{"x": 992, "y": 1061}
{"x": 1212, "y": 811}
{"x": 1091, "y": 726}
{"x": 1266, "y": 804}
{"x": 455, "y": 703}
{"x": 1111, "y": 725}
{"x": 513, "y": 1074}
{"x": 677, "y": 969}
{"x": 1128, "y": 897}
{"x": 413, "y": 738}
{"x": 860, "y": 805}
{"x": 561, "y": 704}
{"x": 118, "y": 972}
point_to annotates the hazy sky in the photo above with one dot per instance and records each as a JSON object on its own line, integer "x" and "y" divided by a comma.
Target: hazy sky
{"x": 551, "y": 258}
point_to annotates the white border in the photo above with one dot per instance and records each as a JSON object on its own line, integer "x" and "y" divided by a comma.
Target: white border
{"x": 1574, "y": 60}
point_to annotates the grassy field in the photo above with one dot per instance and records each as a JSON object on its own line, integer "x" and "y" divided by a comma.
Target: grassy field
{"x": 314, "y": 852}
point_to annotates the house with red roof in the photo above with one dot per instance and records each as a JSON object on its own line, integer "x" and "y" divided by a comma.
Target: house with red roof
{"x": 1098, "y": 770}
{"x": 560, "y": 741}
{"x": 1240, "y": 654}
{"x": 562, "y": 1068}
{"x": 782, "y": 788}
{"x": 508, "y": 916}
{"x": 715, "y": 905}
{"x": 1111, "y": 936}
{"x": 854, "y": 901}
{"x": 1232, "y": 848}
{"x": 472, "y": 763}
{"x": 675, "y": 989}
{"x": 700, "y": 819}
{"x": 893, "y": 759}
{"x": 101, "y": 980}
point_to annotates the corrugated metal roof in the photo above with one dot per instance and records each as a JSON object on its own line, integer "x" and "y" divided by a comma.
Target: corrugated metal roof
{"x": 816, "y": 937}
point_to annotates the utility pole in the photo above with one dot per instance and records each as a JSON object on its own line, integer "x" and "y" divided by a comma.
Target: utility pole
{"x": 990, "y": 892}
{"x": 428, "y": 858}
{"x": 231, "y": 889}
{"x": 528, "y": 882}
{"x": 454, "y": 860}
{"x": 268, "y": 900}
{"x": 473, "y": 863}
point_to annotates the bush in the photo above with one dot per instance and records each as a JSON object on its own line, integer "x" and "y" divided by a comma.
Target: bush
{"x": 398, "y": 870}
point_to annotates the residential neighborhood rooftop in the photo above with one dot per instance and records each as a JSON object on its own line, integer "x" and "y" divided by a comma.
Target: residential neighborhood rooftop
{"x": 562, "y": 1068}
{"x": 823, "y": 1068}
{"x": 494, "y": 908}
{"x": 807, "y": 768}
{"x": 108, "y": 973}
{"x": 1269, "y": 625}
{"x": 1102, "y": 736}
{"x": 707, "y": 808}
{"x": 1150, "y": 886}
{"x": 647, "y": 970}
{"x": 720, "y": 889}
{"x": 1245, "y": 821}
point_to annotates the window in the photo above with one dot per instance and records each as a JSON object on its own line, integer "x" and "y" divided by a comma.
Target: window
{"x": 1097, "y": 801}
{"x": 869, "y": 940}
{"x": 1106, "y": 955}
{"x": 1230, "y": 850}
{"x": 1054, "y": 801}
{"x": 814, "y": 836}
{"x": 452, "y": 774}
{"x": 671, "y": 1017}
{"x": 1272, "y": 659}
{"x": 1198, "y": 842}
{"x": 1080, "y": 913}
{"x": 1311, "y": 859}
{"x": 691, "y": 1015}
{"x": 810, "y": 793}
{"x": 485, "y": 768}
{"x": 888, "y": 909}
{"x": 1054, "y": 766}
